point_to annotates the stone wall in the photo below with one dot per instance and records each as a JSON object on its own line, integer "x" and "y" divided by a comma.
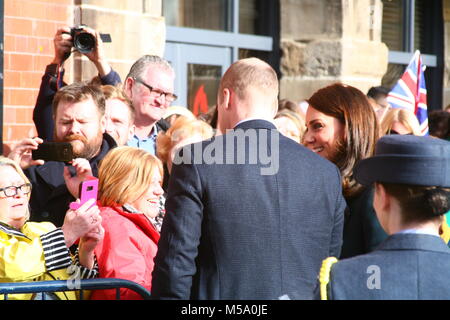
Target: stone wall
{"x": 136, "y": 28}
{"x": 323, "y": 42}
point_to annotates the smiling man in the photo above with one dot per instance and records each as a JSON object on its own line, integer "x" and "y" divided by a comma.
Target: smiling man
{"x": 78, "y": 112}
{"x": 150, "y": 87}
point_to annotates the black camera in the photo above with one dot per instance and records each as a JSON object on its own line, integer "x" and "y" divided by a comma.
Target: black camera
{"x": 83, "y": 41}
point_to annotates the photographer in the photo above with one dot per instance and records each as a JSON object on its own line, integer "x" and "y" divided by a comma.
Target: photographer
{"x": 54, "y": 73}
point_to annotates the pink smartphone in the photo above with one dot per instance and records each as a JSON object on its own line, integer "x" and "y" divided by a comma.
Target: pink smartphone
{"x": 88, "y": 190}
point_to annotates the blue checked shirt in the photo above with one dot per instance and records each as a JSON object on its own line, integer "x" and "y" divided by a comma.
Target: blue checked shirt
{"x": 148, "y": 143}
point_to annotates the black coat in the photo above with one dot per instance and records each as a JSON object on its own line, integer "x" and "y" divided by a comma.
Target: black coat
{"x": 231, "y": 232}
{"x": 49, "y": 196}
{"x": 362, "y": 230}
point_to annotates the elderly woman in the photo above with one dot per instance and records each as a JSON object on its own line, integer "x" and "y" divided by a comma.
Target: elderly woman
{"x": 129, "y": 189}
{"x": 31, "y": 251}
{"x": 411, "y": 178}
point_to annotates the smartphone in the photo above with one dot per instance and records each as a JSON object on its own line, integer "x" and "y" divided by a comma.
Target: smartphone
{"x": 88, "y": 190}
{"x": 53, "y": 151}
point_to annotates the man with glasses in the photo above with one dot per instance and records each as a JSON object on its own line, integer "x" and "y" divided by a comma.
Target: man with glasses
{"x": 150, "y": 86}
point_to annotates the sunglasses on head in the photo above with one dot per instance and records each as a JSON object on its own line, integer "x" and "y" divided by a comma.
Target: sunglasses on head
{"x": 395, "y": 132}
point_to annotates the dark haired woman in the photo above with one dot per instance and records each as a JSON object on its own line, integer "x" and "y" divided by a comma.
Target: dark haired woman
{"x": 342, "y": 127}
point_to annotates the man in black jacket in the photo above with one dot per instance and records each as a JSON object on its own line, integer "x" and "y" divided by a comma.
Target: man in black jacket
{"x": 52, "y": 80}
{"x": 79, "y": 119}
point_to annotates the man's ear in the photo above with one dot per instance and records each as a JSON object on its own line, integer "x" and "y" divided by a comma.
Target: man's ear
{"x": 103, "y": 123}
{"x": 128, "y": 86}
{"x": 226, "y": 98}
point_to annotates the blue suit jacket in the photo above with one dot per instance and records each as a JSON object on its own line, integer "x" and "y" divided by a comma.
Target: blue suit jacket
{"x": 404, "y": 266}
{"x": 232, "y": 233}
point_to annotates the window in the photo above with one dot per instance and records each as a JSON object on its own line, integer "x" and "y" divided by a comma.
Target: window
{"x": 203, "y": 83}
{"x": 392, "y": 31}
{"x": 204, "y": 37}
{"x": 410, "y": 25}
{"x": 201, "y": 14}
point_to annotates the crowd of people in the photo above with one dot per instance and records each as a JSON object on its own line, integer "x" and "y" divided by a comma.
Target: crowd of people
{"x": 258, "y": 199}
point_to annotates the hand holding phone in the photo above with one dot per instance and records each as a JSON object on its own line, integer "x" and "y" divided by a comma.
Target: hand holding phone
{"x": 53, "y": 151}
{"x": 22, "y": 152}
{"x": 88, "y": 190}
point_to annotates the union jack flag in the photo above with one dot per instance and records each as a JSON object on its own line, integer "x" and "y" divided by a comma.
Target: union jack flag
{"x": 410, "y": 92}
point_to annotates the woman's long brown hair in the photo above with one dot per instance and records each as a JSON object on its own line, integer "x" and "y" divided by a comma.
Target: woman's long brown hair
{"x": 352, "y": 108}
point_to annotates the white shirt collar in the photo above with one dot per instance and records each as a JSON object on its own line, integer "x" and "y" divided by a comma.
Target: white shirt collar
{"x": 419, "y": 231}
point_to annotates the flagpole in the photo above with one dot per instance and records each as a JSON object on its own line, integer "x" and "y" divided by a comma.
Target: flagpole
{"x": 419, "y": 66}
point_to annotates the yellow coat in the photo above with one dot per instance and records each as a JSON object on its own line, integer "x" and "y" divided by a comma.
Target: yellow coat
{"x": 22, "y": 258}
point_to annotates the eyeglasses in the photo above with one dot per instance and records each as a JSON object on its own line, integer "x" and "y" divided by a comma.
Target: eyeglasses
{"x": 169, "y": 97}
{"x": 395, "y": 132}
{"x": 11, "y": 191}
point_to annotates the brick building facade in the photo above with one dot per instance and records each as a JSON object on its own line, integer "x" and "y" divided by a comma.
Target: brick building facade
{"x": 29, "y": 27}
{"x": 311, "y": 43}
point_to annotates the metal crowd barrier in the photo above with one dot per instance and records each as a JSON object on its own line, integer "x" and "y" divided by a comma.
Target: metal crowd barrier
{"x": 62, "y": 285}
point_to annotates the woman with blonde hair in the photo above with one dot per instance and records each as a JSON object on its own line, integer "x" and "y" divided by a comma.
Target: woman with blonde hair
{"x": 290, "y": 124}
{"x": 174, "y": 112}
{"x": 129, "y": 189}
{"x": 184, "y": 131}
{"x": 38, "y": 251}
{"x": 400, "y": 121}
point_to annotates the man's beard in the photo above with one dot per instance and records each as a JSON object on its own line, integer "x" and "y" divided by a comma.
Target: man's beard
{"x": 81, "y": 147}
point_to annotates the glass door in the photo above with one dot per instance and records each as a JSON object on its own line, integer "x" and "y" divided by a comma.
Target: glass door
{"x": 198, "y": 70}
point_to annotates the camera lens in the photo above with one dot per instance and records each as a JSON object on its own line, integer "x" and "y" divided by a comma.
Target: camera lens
{"x": 84, "y": 42}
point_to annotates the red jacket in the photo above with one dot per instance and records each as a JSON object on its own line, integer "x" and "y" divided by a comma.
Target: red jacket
{"x": 126, "y": 252}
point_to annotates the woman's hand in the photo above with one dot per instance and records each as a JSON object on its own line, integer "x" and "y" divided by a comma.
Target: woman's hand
{"x": 78, "y": 223}
{"x": 87, "y": 245}
{"x": 83, "y": 171}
